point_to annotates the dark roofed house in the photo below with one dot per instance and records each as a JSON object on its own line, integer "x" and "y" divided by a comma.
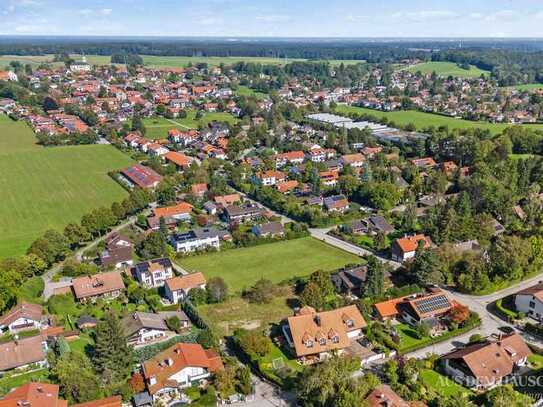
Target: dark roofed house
{"x": 145, "y": 327}
{"x": 236, "y": 213}
{"x": 142, "y": 176}
{"x": 350, "y": 280}
{"x": 486, "y": 364}
{"x": 86, "y": 322}
{"x": 336, "y": 203}
{"x": 118, "y": 252}
{"x": 271, "y": 229}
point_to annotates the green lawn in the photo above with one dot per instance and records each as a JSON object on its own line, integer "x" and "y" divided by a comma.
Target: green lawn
{"x": 47, "y": 188}
{"x": 31, "y": 290}
{"x": 447, "y": 69}
{"x": 8, "y": 383}
{"x": 422, "y": 120}
{"x": 442, "y": 384}
{"x": 157, "y": 127}
{"x": 274, "y": 261}
{"x": 246, "y": 91}
{"x": 527, "y": 86}
{"x": 408, "y": 336}
{"x": 82, "y": 344}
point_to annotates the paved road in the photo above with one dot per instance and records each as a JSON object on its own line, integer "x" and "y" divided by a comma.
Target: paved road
{"x": 50, "y": 285}
{"x": 321, "y": 234}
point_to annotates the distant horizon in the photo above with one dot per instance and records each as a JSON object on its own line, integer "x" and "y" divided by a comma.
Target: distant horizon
{"x": 492, "y": 19}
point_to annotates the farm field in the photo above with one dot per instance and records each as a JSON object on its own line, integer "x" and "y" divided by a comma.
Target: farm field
{"x": 527, "y": 86}
{"x": 447, "y": 69}
{"x": 274, "y": 261}
{"x": 422, "y": 120}
{"x": 47, "y": 188}
{"x": 157, "y": 127}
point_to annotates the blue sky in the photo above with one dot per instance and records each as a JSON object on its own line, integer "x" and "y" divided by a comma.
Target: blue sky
{"x": 279, "y": 18}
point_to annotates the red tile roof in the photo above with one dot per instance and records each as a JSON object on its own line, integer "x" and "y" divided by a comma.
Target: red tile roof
{"x": 35, "y": 395}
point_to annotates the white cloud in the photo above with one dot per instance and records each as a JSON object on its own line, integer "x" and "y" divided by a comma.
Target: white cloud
{"x": 425, "y": 15}
{"x": 106, "y": 11}
{"x": 274, "y": 18}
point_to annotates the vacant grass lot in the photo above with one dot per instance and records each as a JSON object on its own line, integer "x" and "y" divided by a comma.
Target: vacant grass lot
{"x": 422, "y": 120}
{"x": 447, "y": 69}
{"x": 235, "y": 313}
{"x": 45, "y": 188}
{"x": 274, "y": 261}
{"x": 157, "y": 127}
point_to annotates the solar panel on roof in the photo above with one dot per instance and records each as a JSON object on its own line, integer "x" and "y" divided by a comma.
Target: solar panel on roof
{"x": 425, "y": 305}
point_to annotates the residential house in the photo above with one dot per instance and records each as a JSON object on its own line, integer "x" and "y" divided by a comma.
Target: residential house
{"x": 178, "y": 288}
{"x": 270, "y": 229}
{"x": 351, "y": 280}
{"x": 23, "y": 317}
{"x": 286, "y": 186}
{"x": 329, "y": 178}
{"x": 197, "y": 239}
{"x": 142, "y": 176}
{"x": 484, "y": 365}
{"x": 530, "y": 301}
{"x": 236, "y": 213}
{"x": 336, "y": 203}
{"x": 34, "y": 394}
{"x": 181, "y": 365}
{"x": 118, "y": 252}
{"x": 23, "y": 352}
{"x": 424, "y": 163}
{"x": 198, "y": 190}
{"x": 371, "y": 226}
{"x": 384, "y": 396}
{"x": 103, "y": 285}
{"x": 406, "y": 247}
{"x": 153, "y": 273}
{"x": 181, "y": 161}
{"x": 291, "y": 157}
{"x": 227, "y": 200}
{"x": 142, "y": 328}
{"x": 315, "y": 335}
{"x": 180, "y": 211}
{"x": 354, "y": 160}
{"x": 270, "y": 177}
{"x": 428, "y": 308}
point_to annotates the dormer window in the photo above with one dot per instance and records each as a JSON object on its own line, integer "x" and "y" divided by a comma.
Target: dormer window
{"x": 322, "y": 341}
{"x": 350, "y": 323}
{"x": 335, "y": 339}
{"x": 309, "y": 344}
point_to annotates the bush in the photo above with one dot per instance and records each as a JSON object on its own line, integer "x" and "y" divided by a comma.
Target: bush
{"x": 254, "y": 343}
{"x": 262, "y": 292}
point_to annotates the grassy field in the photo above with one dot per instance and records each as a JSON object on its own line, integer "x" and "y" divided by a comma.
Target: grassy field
{"x": 8, "y": 383}
{"x": 246, "y": 91}
{"x": 157, "y": 127}
{"x": 447, "y": 69}
{"x": 235, "y": 313}
{"x": 166, "y": 61}
{"x": 527, "y": 86}
{"x": 275, "y": 261}
{"x": 49, "y": 187}
{"x": 422, "y": 120}
{"x": 442, "y": 384}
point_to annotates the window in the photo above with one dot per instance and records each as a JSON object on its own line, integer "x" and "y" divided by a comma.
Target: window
{"x": 322, "y": 341}
{"x": 308, "y": 344}
{"x": 532, "y": 304}
{"x": 350, "y": 323}
{"x": 335, "y": 339}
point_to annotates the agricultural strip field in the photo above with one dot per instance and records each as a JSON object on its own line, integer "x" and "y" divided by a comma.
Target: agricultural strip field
{"x": 45, "y": 188}
{"x": 447, "y": 69}
{"x": 157, "y": 127}
{"x": 422, "y": 120}
{"x": 274, "y": 261}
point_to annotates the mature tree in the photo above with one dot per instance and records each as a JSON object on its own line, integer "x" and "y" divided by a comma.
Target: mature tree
{"x": 244, "y": 380}
{"x": 198, "y": 296}
{"x": 313, "y": 296}
{"x": 78, "y": 382}
{"x": 375, "y": 278}
{"x": 322, "y": 280}
{"x": 153, "y": 246}
{"x": 52, "y": 247}
{"x": 262, "y": 292}
{"x": 207, "y": 339}
{"x": 506, "y": 396}
{"x": 217, "y": 290}
{"x": 114, "y": 359}
{"x": 76, "y": 234}
{"x": 254, "y": 343}
{"x": 425, "y": 268}
{"x": 331, "y": 383}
